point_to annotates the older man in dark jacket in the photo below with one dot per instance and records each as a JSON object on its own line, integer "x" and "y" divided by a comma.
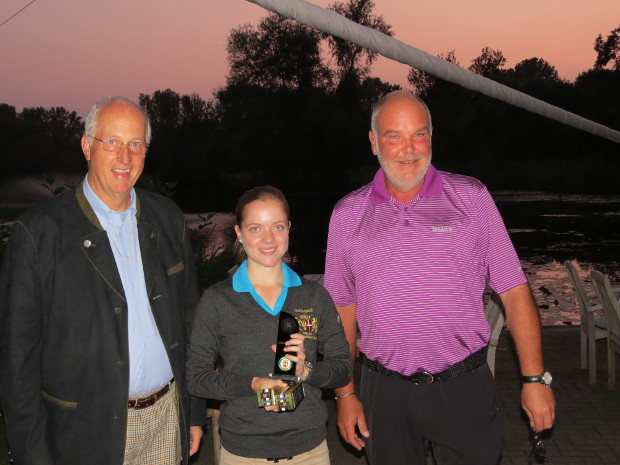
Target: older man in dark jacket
{"x": 97, "y": 292}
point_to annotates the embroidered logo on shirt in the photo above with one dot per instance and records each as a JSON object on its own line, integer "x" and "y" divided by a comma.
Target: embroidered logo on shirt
{"x": 442, "y": 229}
{"x": 308, "y": 325}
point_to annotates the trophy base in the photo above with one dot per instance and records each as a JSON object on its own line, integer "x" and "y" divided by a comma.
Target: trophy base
{"x": 288, "y": 379}
{"x": 287, "y": 398}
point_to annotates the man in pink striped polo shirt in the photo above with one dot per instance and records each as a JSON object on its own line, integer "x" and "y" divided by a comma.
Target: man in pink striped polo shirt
{"x": 408, "y": 259}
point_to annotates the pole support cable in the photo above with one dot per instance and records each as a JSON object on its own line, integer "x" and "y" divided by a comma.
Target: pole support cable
{"x": 15, "y": 14}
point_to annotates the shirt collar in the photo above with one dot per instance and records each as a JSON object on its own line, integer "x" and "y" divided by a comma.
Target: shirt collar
{"x": 99, "y": 206}
{"x": 241, "y": 283}
{"x": 432, "y": 186}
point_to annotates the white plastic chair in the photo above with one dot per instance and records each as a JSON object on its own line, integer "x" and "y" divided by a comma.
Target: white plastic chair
{"x": 494, "y": 311}
{"x": 592, "y": 328}
{"x": 611, "y": 307}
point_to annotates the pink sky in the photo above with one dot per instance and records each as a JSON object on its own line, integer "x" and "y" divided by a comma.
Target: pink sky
{"x": 70, "y": 53}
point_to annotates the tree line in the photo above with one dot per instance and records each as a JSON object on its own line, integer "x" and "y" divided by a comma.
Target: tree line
{"x": 295, "y": 113}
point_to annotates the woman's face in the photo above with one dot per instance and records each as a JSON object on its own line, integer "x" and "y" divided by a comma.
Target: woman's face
{"x": 264, "y": 232}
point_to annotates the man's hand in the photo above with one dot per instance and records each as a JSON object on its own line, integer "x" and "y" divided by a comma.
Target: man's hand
{"x": 350, "y": 415}
{"x": 195, "y": 433}
{"x": 538, "y": 402}
{"x": 523, "y": 320}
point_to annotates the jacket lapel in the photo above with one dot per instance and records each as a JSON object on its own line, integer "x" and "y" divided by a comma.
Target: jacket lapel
{"x": 149, "y": 249}
{"x": 96, "y": 247}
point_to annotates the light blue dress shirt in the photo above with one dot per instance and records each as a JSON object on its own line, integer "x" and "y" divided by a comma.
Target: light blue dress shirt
{"x": 241, "y": 283}
{"x": 149, "y": 367}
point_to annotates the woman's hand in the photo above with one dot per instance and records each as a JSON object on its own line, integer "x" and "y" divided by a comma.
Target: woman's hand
{"x": 266, "y": 383}
{"x": 258, "y": 384}
{"x": 296, "y": 352}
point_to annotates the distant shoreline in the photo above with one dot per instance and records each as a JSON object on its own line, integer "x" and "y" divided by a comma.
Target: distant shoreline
{"x": 550, "y": 286}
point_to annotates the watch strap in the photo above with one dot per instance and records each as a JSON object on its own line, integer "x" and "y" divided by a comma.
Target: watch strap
{"x": 544, "y": 378}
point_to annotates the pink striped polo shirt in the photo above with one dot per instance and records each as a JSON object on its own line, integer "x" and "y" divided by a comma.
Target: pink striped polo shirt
{"x": 418, "y": 271}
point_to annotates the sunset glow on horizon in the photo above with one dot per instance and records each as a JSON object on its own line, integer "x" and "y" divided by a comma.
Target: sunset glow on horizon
{"x": 62, "y": 53}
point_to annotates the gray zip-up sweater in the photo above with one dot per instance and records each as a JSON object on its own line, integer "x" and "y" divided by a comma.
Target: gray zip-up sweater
{"x": 233, "y": 326}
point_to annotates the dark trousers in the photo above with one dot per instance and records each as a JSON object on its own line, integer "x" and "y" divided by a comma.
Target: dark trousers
{"x": 458, "y": 417}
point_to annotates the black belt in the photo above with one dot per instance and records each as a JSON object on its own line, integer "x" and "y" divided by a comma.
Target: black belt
{"x": 468, "y": 365}
{"x": 150, "y": 400}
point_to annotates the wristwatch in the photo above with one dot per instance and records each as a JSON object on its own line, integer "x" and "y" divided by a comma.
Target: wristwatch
{"x": 544, "y": 379}
{"x": 309, "y": 366}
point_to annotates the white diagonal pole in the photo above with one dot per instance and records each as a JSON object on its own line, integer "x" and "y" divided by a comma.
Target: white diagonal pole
{"x": 332, "y": 23}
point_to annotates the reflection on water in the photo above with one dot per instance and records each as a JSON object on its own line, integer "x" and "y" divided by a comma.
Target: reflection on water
{"x": 557, "y": 302}
{"x": 547, "y": 229}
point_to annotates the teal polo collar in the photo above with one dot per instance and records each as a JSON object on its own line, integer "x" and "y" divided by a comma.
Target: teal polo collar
{"x": 241, "y": 283}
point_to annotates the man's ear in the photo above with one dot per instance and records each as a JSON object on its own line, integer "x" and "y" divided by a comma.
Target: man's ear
{"x": 86, "y": 148}
{"x": 373, "y": 142}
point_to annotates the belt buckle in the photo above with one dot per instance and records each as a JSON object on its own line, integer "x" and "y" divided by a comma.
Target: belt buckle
{"x": 140, "y": 403}
{"x": 277, "y": 459}
{"x": 423, "y": 377}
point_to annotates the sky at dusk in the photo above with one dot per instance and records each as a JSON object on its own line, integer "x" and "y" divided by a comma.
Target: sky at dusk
{"x": 70, "y": 53}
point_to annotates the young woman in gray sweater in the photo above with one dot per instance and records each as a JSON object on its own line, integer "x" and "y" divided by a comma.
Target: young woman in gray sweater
{"x": 237, "y": 323}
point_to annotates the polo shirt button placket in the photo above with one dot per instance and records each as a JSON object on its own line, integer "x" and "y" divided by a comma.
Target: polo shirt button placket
{"x": 405, "y": 210}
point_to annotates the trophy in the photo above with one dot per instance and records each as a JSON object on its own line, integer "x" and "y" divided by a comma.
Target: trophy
{"x": 283, "y": 368}
{"x": 288, "y": 397}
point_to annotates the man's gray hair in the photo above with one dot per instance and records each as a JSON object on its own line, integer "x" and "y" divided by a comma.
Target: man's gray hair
{"x": 90, "y": 126}
{"x": 378, "y": 106}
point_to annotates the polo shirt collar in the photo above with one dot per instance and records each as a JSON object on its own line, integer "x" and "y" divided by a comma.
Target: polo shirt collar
{"x": 432, "y": 186}
{"x": 241, "y": 283}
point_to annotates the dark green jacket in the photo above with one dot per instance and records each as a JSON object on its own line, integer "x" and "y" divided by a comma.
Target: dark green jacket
{"x": 64, "y": 355}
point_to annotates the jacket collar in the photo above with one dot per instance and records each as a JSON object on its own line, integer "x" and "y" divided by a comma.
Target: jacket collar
{"x": 90, "y": 213}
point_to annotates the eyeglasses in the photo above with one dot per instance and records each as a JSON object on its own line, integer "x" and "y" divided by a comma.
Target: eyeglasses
{"x": 539, "y": 451}
{"x": 111, "y": 144}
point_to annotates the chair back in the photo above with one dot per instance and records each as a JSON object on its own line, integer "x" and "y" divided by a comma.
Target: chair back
{"x": 610, "y": 305}
{"x": 494, "y": 312}
{"x": 582, "y": 297}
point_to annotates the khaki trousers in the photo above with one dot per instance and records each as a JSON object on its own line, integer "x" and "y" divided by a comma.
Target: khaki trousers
{"x": 317, "y": 456}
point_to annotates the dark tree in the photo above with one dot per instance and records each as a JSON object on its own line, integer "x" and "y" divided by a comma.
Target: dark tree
{"x": 164, "y": 108}
{"x": 278, "y": 53}
{"x": 355, "y": 61}
{"x": 608, "y": 50}
{"x": 40, "y": 140}
{"x": 489, "y": 63}
{"x": 181, "y": 149}
{"x": 535, "y": 69}
{"x": 422, "y": 81}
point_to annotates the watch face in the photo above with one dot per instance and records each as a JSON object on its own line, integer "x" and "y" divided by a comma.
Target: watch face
{"x": 547, "y": 378}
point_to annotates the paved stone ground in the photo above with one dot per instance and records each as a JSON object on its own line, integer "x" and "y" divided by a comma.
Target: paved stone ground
{"x": 587, "y": 429}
